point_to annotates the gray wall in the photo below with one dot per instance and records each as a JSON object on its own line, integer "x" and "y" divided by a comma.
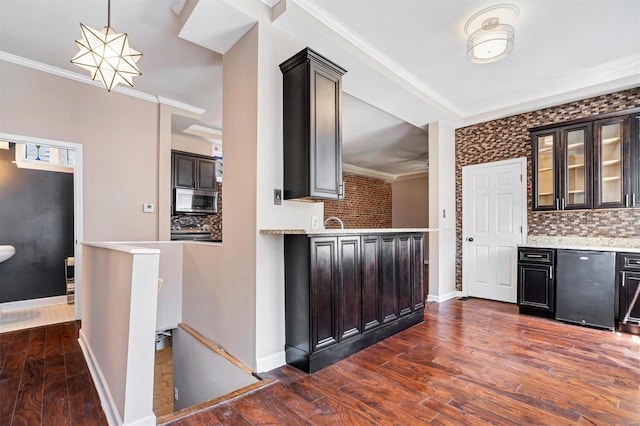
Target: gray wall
{"x": 200, "y": 374}
{"x": 36, "y": 216}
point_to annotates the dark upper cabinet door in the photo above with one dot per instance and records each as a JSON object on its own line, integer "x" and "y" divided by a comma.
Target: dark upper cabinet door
{"x": 535, "y": 287}
{"x": 206, "y": 174}
{"x": 403, "y": 274}
{"x": 545, "y": 170}
{"x": 576, "y": 165}
{"x": 326, "y": 141}
{"x": 312, "y": 123}
{"x": 417, "y": 271}
{"x": 184, "y": 171}
{"x": 324, "y": 289}
{"x": 611, "y": 171}
{"x": 635, "y": 160}
{"x": 389, "y": 293}
{"x": 349, "y": 287}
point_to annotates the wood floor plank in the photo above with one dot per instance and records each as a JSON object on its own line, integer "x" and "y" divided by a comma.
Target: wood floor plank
{"x": 8, "y": 395}
{"x": 53, "y": 340}
{"x": 83, "y": 405}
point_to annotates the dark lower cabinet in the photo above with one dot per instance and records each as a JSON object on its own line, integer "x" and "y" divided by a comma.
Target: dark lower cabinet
{"x": 370, "y": 267}
{"x": 629, "y": 292}
{"x": 344, "y": 293}
{"x": 536, "y": 284}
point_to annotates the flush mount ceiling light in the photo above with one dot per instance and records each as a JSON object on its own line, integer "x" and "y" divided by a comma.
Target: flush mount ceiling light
{"x": 107, "y": 55}
{"x": 491, "y": 33}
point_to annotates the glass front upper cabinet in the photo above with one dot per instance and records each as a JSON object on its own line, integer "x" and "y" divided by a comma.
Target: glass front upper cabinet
{"x": 562, "y": 167}
{"x": 544, "y": 166}
{"x": 611, "y": 167}
{"x": 576, "y": 168}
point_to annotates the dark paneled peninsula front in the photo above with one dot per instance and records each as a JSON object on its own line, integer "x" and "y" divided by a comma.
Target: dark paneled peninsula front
{"x": 344, "y": 292}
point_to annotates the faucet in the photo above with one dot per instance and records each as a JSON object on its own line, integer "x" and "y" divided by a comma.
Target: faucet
{"x": 334, "y": 218}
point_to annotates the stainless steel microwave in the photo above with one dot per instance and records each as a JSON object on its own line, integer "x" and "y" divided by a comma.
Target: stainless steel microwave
{"x": 194, "y": 201}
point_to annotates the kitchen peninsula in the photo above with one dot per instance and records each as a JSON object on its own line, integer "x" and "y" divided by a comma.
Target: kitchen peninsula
{"x": 346, "y": 289}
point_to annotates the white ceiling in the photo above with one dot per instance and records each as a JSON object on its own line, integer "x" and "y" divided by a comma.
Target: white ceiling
{"x": 406, "y": 57}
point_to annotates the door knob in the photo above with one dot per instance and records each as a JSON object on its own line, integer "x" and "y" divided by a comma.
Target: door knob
{"x": 470, "y": 239}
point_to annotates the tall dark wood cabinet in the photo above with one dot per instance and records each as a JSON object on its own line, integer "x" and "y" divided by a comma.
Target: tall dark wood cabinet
{"x": 312, "y": 116}
{"x": 193, "y": 171}
{"x": 346, "y": 292}
{"x": 536, "y": 282}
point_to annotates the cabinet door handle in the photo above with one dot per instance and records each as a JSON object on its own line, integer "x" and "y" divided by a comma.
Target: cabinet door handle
{"x": 557, "y": 203}
{"x": 563, "y": 204}
{"x": 626, "y": 200}
{"x": 536, "y": 256}
{"x": 633, "y": 199}
{"x": 551, "y": 273}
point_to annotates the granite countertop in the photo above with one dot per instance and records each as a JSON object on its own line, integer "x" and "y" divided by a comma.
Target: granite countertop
{"x": 631, "y": 245}
{"x": 348, "y": 231}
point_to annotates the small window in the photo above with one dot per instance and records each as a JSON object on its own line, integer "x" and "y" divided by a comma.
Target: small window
{"x": 37, "y": 153}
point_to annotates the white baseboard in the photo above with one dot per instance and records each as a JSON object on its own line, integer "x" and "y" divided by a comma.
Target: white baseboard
{"x": 33, "y": 303}
{"x": 444, "y": 297}
{"x": 270, "y": 362}
{"x": 106, "y": 399}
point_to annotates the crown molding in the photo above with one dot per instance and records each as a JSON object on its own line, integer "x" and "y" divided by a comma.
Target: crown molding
{"x": 430, "y": 94}
{"x": 204, "y": 131}
{"x": 389, "y": 177}
{"x": 59, "y": 72}
{"x": 180, "y": 105}
{"x": 413, "y": 175}
{"x": 624, "y": 75}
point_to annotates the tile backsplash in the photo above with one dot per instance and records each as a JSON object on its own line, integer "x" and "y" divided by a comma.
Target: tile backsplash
{"x": 509, "y": 137}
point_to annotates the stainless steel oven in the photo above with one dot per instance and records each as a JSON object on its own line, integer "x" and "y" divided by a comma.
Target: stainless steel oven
{"x": 194, "y": 201}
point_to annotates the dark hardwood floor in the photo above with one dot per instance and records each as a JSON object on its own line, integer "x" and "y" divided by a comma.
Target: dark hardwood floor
{"x": 44, "y": 379}
{"x": 471, "y": 362}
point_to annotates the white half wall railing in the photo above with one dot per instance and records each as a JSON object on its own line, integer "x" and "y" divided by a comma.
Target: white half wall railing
{"x": 123, "y": 307}
{"x": 117, "y": 337}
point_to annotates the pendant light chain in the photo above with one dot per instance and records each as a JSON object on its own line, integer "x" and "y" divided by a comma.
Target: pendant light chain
{"x": 108, "y": 13}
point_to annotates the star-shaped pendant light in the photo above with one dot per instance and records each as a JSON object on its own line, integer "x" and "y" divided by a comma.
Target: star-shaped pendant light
{"x": 107, "y": 55}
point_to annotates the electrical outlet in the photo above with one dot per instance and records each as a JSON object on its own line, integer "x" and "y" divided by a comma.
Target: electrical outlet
{"x": 175, "y": 394}
{"x": 147, "y": 208}
{"x": 315, "y": 222}
{"x": 277, "y": 197}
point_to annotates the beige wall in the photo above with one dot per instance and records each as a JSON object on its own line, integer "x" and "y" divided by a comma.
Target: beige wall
{"x": 119, "y": 135}
{"x": 410, "y": 200}
{"x": 193, "y": 144}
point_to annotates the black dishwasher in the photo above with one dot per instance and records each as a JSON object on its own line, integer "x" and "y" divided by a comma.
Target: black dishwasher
{"x": 585, "y": 287}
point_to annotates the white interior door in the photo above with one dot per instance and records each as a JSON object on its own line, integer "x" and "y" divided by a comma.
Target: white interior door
{"x": 493, "y": 224}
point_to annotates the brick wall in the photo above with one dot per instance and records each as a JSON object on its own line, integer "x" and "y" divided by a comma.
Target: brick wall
{"x": 366, "y": 204}
{"x": 509, "y": 137}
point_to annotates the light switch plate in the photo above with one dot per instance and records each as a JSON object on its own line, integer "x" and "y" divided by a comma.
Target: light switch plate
{"x": 277, "y": 197}
{"x": 147, "y": 208}
{"x": 315, "y": 223}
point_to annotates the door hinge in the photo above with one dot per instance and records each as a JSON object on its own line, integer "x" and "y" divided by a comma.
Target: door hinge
{"x": 521, "y": 229}
{"x": 520, "y": 178}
